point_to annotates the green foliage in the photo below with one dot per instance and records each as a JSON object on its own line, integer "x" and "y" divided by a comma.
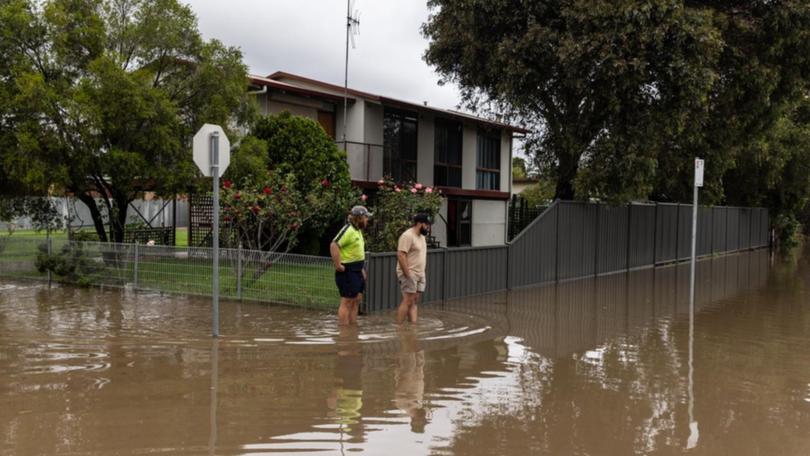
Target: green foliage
{"x": 102, "y": 97}
{"x": 297, "y": 147}
{"x": 394, "y": 210}
{"x": 539, "y": 194}
{"x": 41, "y": 211}
{"x": 623, "y": 95}
{"x": 70, "y": 265}
{"x": 268, "y": 214}
{"x": 519, "y": 168}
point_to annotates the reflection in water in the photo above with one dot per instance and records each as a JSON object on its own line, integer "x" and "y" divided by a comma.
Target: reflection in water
{"x": 587, "y": 367}
{"x": 410, "y": 379}
{"x": 347, "y": 397}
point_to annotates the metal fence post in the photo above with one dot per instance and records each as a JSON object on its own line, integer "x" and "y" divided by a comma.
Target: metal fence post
{"x": 239, "y": 272}
{"x": 50, "y": 251}
{"x": 655, "y": 236}
{"x": 444, "y": 274}
{"x": 557, "y": 243}
{"x": 596, "y": 241}
{"x": 135, "y": 268}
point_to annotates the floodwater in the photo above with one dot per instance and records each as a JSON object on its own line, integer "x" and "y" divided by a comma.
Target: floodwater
{"x": 590, "y": 367}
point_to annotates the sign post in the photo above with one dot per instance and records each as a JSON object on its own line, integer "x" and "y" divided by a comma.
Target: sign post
{"x": 694, "y": 433}
{"x": 212, "y": 154}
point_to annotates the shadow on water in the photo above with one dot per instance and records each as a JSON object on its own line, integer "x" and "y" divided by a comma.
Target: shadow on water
{"x": 594, "y": 366}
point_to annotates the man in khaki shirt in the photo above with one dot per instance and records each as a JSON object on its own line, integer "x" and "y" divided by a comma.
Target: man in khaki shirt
{"x": 411, "y": 263}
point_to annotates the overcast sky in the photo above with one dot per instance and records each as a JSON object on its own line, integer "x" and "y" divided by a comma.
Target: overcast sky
{"x": 307, "y": 37}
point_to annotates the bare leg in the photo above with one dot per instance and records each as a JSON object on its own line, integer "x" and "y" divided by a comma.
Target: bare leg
{"x": 404, "y": 307}
{"x": 413, "y": 311}
{"x": 355, "y": 309}
{"x": 345, "y": 310}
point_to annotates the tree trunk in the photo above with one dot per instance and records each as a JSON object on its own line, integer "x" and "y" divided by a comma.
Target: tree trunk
{"x": 566, "y": 173}
{"x": 121, "y": 204}
{"x": 95, "y": 214}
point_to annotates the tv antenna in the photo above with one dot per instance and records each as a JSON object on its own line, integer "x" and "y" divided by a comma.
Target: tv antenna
{"x": 352, "y": 29}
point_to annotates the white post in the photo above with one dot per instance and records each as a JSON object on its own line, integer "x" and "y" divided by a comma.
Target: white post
{"x": 214, "y": 144}
{"x": 694, "y": 433}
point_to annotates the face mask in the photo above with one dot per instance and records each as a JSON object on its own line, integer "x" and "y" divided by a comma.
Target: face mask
{"x": 424, "y": 231}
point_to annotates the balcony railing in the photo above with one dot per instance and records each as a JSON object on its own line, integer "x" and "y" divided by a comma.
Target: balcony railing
{"x": 365, "y": 159}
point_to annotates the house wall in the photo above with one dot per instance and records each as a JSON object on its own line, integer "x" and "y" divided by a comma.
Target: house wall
{"x": 488, "y": 222}
{"x": 506, "y": 160}
{"x": 373, "y": 134}
{"x": 356, "y": 121}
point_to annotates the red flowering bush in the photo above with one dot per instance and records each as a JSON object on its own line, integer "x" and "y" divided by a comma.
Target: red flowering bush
{"x": 396, "y": 204}
{"x": 267, "y": 214}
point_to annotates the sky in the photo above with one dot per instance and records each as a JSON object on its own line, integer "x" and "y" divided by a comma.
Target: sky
{"x": 308, "y": 37}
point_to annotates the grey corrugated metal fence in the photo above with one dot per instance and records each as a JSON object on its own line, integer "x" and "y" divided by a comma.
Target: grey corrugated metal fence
{"x": 572, "y": 240}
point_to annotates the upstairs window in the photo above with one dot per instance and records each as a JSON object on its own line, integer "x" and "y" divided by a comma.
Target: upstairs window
{"x": 488, "y": 171}
{"x": 447, "y": 155}
{"x": 399, "y": 145}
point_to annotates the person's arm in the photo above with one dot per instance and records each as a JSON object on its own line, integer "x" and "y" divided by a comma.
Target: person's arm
{"x": 334, "y": 250}
{"x": 402, "y": 257}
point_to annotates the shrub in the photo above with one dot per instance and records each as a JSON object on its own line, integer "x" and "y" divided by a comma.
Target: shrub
{"x": 394, "y": 210}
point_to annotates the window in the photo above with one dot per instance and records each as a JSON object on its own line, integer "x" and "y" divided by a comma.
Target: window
{"x": 399, "y": 145}
{"x": 488, "y": 174}
{"x": 459, "y": 222}
{"x": 447, "y": 159}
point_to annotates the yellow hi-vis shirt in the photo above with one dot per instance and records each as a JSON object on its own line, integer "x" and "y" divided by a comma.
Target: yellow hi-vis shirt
{"x": 351, "y": 244}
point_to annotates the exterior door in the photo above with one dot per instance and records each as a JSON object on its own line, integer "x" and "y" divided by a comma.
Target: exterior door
{"x": 327, "y": 121}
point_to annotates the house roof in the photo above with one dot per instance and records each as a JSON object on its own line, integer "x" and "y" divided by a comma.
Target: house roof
{"x": 386, "y": 100}
{"x": 284, "y": 87}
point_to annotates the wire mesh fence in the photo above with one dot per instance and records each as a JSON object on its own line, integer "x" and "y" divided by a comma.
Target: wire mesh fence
{"x": 244, "y": 274}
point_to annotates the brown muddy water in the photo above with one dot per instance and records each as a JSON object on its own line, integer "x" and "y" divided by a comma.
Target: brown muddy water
{"x": 590, "y": 367}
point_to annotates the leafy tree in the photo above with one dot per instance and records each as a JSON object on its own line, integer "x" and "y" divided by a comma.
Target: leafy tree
{"x": 101, "y": 97}
{"x": 594, "y": 78}
{"x": 624, "y": 94}
{"x": 519, "y": 168}
{"x": 540, "y": 193}
{"x": 297, "y": 146}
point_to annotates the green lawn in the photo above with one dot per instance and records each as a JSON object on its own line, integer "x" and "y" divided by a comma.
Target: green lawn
{"x": 308, "y": 284}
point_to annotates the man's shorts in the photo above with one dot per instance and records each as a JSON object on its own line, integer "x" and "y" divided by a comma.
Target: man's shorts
{"x": 414, "y": 284}
{"x": 350, "y": 282}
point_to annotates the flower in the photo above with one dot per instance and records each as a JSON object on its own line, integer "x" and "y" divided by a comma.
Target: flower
{"x": 363, "y": 197}
{"x": 150, "y": 242}
{"x": 418, "y": 186}
{"x": 413, "y": 190}
{"x": 325, "y": 183}
{"x": 381, "y": 182}
{"x": 429, "y": 190}
{"x": 255, "y": 209}
{"x": 227, "y": 218}
{"x": 237, "y": 196}
{"x": 267, "y": 190}
{"x": 396, "y": 189}
{"x": 226, "y": 183}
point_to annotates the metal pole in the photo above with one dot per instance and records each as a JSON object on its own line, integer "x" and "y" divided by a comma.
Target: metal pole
{"x": 346, "y": 71}
{"x": 212, "y": 412}
{"x": 239, "y": 272}
{"x": 693, "y": 426}
{"x": 214, "y": 148}
{"x": 50, "y": 252}
{"x": 694, "y": 248}
{"x": 135, "y": 268}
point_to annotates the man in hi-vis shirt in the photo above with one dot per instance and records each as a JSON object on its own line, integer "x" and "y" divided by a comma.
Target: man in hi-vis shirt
{"x": 411, "y": 263}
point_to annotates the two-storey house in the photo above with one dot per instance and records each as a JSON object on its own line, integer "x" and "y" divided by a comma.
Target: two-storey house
{"x": 467, "y": 157}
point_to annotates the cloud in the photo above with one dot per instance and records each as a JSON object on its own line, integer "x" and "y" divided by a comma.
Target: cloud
{"x": 308, "y": 37}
